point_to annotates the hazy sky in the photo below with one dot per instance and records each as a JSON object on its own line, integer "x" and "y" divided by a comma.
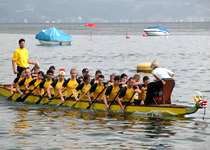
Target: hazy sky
{"x": 104, "y": 10}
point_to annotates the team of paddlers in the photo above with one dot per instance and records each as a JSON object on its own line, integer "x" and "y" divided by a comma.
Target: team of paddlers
{"x": 117, "y": 90}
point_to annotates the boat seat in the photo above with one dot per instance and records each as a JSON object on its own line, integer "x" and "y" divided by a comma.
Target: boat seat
{"x": 167, "y": 90}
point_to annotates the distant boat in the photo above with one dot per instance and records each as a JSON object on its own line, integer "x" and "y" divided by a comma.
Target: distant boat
{"x": 53, "y": 36}
{"x": 156, "y": 31}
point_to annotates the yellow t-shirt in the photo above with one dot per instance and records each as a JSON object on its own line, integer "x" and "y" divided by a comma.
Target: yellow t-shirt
{"x": 126, "y": 93}
{"x": 24, "y": 82}
{"x": 45, "y": 85}
{"x": 142, "y": 96}
{"x": 71, "y": 85}
{"x": 115, "y": 90}
{"x": 83, "y": 88}
{"x": 57, "y": 86}
{"x": 34, "y": 83}
{"x": 21, "y": 57}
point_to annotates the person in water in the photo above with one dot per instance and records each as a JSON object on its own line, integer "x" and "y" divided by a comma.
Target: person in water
{"x": 163, "y": 77}
{"x": 20, "y": 57}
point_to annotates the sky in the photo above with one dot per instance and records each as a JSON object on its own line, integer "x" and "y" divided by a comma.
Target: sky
{"x": 66, "y": 11}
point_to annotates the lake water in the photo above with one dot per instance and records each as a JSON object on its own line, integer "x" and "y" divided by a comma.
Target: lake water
{"x": 186, "y": 52}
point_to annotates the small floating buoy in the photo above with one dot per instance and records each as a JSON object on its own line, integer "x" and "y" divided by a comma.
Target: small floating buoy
{"x": 144, "y": 67}
{"x": 144, "y": 35}
{"x": 127, "y": 37}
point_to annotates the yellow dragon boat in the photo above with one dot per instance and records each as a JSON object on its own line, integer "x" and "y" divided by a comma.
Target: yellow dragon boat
{"x": 161, "y": 108}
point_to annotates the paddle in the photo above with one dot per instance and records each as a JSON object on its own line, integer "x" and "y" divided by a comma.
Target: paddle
{"x": 96, "y": 98}
{"x": 10, "y": 97}
{"x": 54, "y": 98}
{"x": 129, "y": 100}
{"x": 114, "y": 98}
{"x": 67, "y": 98}
{"x": 20, "y": 99}
{"x": 41, "y": 98}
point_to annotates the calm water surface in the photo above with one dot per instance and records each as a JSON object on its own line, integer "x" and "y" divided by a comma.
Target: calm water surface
{"x": 186, "y": 52}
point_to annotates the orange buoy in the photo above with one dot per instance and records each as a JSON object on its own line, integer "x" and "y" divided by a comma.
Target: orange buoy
{"x": 127, "y": 37}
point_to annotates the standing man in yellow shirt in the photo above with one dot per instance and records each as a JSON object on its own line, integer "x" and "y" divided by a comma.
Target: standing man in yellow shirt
{"x": 21, "y": 58}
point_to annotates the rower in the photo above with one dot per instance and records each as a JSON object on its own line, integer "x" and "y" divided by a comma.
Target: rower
{"x": 127, "y": 93}
{"x": 57, "y": 85}
{"x": 83, "y": 88}
{"x": 53, "y": 69}
{"x": 70, "y": 84}
{"x": 36, "y": 71}
{"x": 21, "y": 87}
{"x": 143, "y": 88}
{"x": 85, "y": 72}
{"x": 46, "y": 83}
{"x": 112, "y": 91}
{"x": 98, "y": 72}
{"x": 17, "y": 80}
{"x": 21, "y": 58}
{"x": 97, "y": 88}
{"x": 124, "y": 78}
{"x": 35, "y": 82}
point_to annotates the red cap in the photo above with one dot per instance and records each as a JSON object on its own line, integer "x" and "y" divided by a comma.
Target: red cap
{"x": 62, "y": 70}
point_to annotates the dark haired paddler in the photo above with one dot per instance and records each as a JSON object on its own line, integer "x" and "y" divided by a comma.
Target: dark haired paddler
{"x": 35, "y": 82}
{"x": 126, "y": 95}
{"x": 112, "y": 92}
{"x": 46, "y": 83}
{"x": 20, "y": 57}
{"x": 98, "y": 89}
{"x": 84, "y": 87}
{"x": 85, "y": 72}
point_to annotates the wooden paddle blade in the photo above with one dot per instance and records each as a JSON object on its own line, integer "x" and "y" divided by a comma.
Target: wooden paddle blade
{"x": 88, "y": 107}
{"x": 10, "y": 97}
{"x": 24, "y": 98}
{"x": 39, "y": 101}
{"x": 60, "y": 104}
{"x": 19, "y": 99}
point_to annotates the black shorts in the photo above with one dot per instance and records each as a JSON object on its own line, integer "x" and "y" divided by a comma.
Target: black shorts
{"x": 20, "y": 70}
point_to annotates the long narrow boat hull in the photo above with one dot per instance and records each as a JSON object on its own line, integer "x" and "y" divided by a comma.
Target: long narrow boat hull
{"x": 163, "y": 108}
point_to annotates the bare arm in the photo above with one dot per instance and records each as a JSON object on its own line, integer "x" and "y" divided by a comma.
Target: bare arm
{"x": 60, "y": 93}
{"x": 14, "y": 67}
{"x": 158, "y": 78}
{"x": 18, "y": 90}
{"x": 105, "y": 102}
{"x": 31, "y": 62}
{"x": 88, "y": 95}
{"x": 11, "y": 88}
{"x": 119, "y": 102}
{"x": 137, "y": 90}
{"x": 39, "y": 91}
{"x": 27, "y": 87}
{"x": 48, "y": 91}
